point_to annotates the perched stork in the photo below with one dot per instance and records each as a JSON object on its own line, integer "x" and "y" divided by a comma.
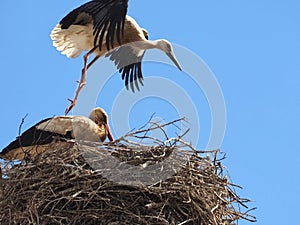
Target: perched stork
{"x": 101, "y": 27}
{"x": 34, "y": 140}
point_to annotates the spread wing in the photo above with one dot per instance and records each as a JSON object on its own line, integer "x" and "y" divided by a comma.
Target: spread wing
{"x": 107, "y": 17}
{"x": 128, "y": 61}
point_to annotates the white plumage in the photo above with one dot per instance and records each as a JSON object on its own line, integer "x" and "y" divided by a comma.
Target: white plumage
{"x": 71, "y": 42}
{"x": 79, "y": 127}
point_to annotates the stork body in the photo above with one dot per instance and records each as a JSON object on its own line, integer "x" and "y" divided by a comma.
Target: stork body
{"x": 103, "y": 28}
{"x": 78, "y": 38}
{"x": 36, "y": 139}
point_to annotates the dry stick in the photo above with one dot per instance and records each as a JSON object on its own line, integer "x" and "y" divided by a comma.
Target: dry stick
{"x": 134, "y": 134}
{"x": 151, "y": 117}
{"x": 153, "y": 128}
{"x": 22, "y": 122}
{"x": 161, "y": 128}
{"x": 20, "y": 128}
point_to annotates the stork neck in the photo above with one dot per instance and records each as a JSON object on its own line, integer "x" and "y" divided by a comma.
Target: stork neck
{"x": 153, "y": 44}
{"x": 148, "y": 44}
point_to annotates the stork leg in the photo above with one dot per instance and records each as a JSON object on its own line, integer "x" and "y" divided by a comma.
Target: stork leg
{"x": 92, "y": 62}
{"x": 82, "y": 81}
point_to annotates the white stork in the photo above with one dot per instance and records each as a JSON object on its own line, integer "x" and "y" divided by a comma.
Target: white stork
{"x": 101, "y": 27}
{"x": 36, "y": 139}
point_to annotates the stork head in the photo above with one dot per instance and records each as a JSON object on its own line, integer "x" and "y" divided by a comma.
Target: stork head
{"x": 166, "y": 47}
{"x": 99, "y": 116}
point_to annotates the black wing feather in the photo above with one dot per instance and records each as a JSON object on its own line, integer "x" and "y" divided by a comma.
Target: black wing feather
{"x": 32, "y": 136}
{"x": 129, "y": 65}
{"x": 107, "y": 16}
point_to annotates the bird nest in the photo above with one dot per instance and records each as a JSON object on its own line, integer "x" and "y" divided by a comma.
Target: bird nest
{"x": 124, "y": 182}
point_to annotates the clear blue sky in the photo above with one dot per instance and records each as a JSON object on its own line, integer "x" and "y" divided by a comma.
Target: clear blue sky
{"x": 252, "y": 47}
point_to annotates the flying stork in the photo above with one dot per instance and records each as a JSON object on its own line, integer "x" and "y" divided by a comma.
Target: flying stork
{"x": 36, "y": 139}
{"x": 101, "y": 27}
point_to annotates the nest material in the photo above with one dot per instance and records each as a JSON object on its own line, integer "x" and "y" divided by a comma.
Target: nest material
{"x": 79, "y": 183}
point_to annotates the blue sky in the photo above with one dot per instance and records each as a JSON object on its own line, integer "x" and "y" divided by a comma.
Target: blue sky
{"x": 252, "y": 48}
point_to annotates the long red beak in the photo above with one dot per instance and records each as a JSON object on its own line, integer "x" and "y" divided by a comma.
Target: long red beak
{"x": 109, "y": 134}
